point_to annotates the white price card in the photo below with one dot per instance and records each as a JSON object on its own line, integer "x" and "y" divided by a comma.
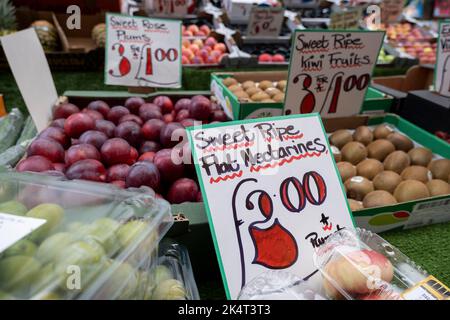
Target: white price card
{"x": 13, "y": 228}
{"x": 142, "y": 52}
{"x": 272, "y": 194}
{"x": 391, "y": 10}
{"x": 173, "y": 8}
{"x": 330, "y": 71}
{"x": 265, "y": 21}
{"x": 442, "y": 69}
{"x": 346, "y": 19}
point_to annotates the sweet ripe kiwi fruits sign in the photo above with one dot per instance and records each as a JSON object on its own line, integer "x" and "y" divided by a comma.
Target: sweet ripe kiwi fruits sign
{"x": 330, "y": 71}
{"x": 143, "y": 52}
{"x": 442, "y": 70}
{"x": 272, "y": 194}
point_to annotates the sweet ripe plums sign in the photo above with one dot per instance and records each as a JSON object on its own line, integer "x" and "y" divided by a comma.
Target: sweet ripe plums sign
{"x": 272, "y": 194}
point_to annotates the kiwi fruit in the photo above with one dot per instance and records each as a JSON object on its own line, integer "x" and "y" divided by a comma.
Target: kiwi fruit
{"x": 268, "y": 101}
{"x": 346, "y": 170}
{"x": 263, "y": 85}
{"x": 248, "y": 84}
{"x": 357, "y": 187}
{"x": 438, "y": 187}
{"x": 409, "y": 190}
{"x": 355, "y": 205}
{"x": 253, "y": 90}
{"x": 387, "y": 181}
{"x": 241, "y": 94}
{"x": 440, "y": 169}
{"x": 282, "y": 85}
{"x": 336, "y": 154}
{"x": 363, "y": 134}
{"x": 340, "y": 137}
{"x": 369, "y": 168}
{"x": 272, "y": 91}
{"x": 278, "y": 97}
{"x": 235, "y": 87}
{"x": 382, "y": 131}
{"x": 416, "y": 173}
{"x": 397, "y": 161}
{"x": 379, "y": 149}
{"x": 354, "y": 152}
{"x": 260, "y": 96}
{"x": 229, "y": 81}
{"x": 420, "y": 156}
{"x": 400, "y": 141}
{"x": 378, "y": 198}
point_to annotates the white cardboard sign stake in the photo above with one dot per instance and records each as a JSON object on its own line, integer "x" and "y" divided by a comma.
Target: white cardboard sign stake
{"x": 30, "y": 68}
{"x": 272, "y": 194}
{"x": 142, "y": 52}
{"x": 330, "y": 71}
{"x": 265, "y": 22}
{"x": 442, "y": 70}
{"x": 13, "y": 228}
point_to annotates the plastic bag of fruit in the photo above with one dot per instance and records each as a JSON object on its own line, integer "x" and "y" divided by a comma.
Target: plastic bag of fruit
{"x": 360, "y": 265}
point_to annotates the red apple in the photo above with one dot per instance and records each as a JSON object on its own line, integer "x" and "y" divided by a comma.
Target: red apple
{"x": 164, "y": 103}
{"x": 116, "y": 113}
{"x": 105, "y": 126}
{"x": 57, "y": 134}
{"x": 78, "y": 123}
{"x": 151, "y": 130}
{"x": 117, "y": 172}
{"x": 65, "y": 110}
{"x": 93, "y": 137}
{"x": 149, "y": 146}
{"x": 100, "y": 106}
{"x": 81, "y": 152}
{"x": 143, "y": 174}
{"x": 35, "y": 164}
{"x": 183, "y": 190}
{"x": 115, "y": 151}
{"x": 48, "y": 148}
{"x": 133, "y": 104}
{"x": 129, "y": 131}
{"x": 169, "y": 170}
{"x": 88, "y": 169}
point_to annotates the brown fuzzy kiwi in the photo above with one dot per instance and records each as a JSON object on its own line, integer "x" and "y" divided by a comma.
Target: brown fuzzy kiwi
{"x": 241, "y": 94}
{"x": 282, "y": 85}
{"x": 248, "y": 84}
{"x": 397, "y": 161}
{"x": 409, "y": 190}
{"x": 263, "y": 85}
{"x": 267, "y": 101}
{"x": 229, "y": 81}
{"x": 382, "y": 131}
{"x": 387, "y": 181}
{"x": 419, "y": 173}
{"x": 363, "y": 134}
{"x": 260, "y": 96}
{"x": 438, "y": 187}
{"x": 278, "y": 97}
{"x": 420, "y": 156}
{"x": 400, "y": 141}
{"x": 340, "y": 137}
{"x": 369, "y": 168}
{"x": 336, "y": 154}
{"x": 379, "y": 149}
{"x": 251, "y": 91}
{"x": 354, "y": 152}
{"x": 272, "y": 91}
{"x": 357, "y": 187}
{"x": 440, "y": 168}
{"x": 378, "y": 198}
{"x": 355, "y": 205}
{"x": 235, "y": 87}
{"x": 346, "y": 170}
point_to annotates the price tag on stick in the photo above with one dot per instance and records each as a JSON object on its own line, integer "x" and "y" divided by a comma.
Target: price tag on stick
{"x": 172, "y": 8}
{"x": 265, "y": 21}
{"x": 143, "y": 52}
{"x": 330, "y": 71}
{"x": 272, "y": 194}
{"x": 442, "y": 70}
{"x": 391, "y": 10}
{"x": 346, "y": 20}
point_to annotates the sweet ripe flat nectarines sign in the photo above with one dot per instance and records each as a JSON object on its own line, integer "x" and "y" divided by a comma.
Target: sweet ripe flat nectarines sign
{"x": 330, "y": 71}
{"x": 442, "y": 70}
{"x": 272, "y": 194}
{"x": 143, "y": 52}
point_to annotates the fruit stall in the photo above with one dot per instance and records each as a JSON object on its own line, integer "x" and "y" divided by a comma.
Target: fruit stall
{"x": 235, "y": 149}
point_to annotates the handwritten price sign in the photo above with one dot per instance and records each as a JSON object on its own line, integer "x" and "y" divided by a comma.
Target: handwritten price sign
{"x": 172, "y": 8}
{"x": 330, "y": 71}
{"x": 265, "y": 21}
{"x": 272, "y": 194}
{"x": 143, "y": 52}
{"x": 345, "y": 20}
{"x": 442, "y": 70}
{"x": 391, "y": 10}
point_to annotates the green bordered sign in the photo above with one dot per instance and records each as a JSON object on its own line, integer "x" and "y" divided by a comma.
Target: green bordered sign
{"x": 330, "y": 71}
{"x": 142, "y": 52}
{"x": 442, "y": 70}
{"x": 272, "y": 194}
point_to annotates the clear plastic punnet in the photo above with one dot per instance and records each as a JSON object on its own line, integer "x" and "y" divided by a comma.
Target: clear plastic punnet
{"x": 77, "y": 240}
{"x": 360, "y": 265}
{"x": 174, "y": 278}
